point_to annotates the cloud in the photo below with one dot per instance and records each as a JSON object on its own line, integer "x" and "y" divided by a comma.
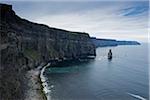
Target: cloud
{"x": 106, "y": 21}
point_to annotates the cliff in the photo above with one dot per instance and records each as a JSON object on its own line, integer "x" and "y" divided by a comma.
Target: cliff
{"x": 25, "y": 45}
{"x": 111, "y": 42}
{"x": 128, "y": 43}
{"x": 103, "y": 42}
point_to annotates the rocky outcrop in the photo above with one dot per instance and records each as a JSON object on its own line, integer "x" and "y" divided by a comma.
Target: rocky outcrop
{"x": 25, "y": 45}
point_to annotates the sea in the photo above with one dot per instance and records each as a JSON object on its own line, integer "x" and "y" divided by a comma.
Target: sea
{"x": 124, "y": 77}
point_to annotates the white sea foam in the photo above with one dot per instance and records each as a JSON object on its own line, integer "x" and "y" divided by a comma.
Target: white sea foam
{"x": 46, "y": 88}
{"x": 137, "y": 96}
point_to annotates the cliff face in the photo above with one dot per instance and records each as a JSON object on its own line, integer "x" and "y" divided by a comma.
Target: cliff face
{"x": 25, "y": 45}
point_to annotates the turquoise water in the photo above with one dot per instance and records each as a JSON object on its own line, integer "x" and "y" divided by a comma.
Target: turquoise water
{"x": 125, "y": 77}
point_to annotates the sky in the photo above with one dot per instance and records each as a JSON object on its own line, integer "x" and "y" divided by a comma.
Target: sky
{"x": 112, "y": 19}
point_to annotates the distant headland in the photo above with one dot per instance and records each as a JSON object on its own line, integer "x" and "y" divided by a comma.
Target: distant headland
{"x": 99, "y": 42}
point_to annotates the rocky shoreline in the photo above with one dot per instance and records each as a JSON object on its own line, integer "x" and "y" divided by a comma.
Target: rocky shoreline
{"x": 34, "y": 85}
{"x": 45, "y": 88}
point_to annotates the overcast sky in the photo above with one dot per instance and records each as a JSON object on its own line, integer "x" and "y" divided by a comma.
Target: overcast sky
{"x": 123, "y": 20}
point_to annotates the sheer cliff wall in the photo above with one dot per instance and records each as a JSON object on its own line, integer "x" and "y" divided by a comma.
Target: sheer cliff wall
{"x": 25, "y": 45}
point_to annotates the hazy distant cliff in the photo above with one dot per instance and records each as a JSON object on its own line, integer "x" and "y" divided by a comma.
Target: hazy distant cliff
{"x": 103, "y": 42}
{"x": 25, "y": 45}
{"x": 111, "y": 42}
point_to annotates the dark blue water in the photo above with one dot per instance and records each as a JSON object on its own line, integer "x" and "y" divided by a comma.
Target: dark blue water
{"x": 125, "y": 77}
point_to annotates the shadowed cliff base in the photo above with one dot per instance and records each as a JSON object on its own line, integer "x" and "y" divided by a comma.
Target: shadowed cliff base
{"x": 25, "y": 45}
